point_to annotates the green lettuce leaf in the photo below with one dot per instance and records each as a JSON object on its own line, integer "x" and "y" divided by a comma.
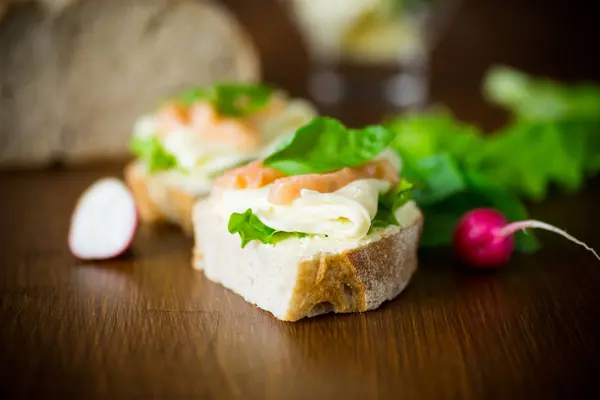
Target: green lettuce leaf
{"x": 528, "y": 157}
{"x": 191, "y": 96}
{"x": 383, "y": 218}
{"x": 443, "y": 157}
{"x": 437, "y": 177}
{"x": 397, "y": 196}
{"x": 325, "y": 145}
{"x": 249, "y": 227}
{"x": 230, "y": 99}
{"x": 553, "y": 140}
{"x": 427, "y": 134}
{"x": 389, "y": 203}
{"x": 442, "y": 217}
{"x": 540, "y": 99}
{"x": 237, "y": 100}
{"x": 151, "y": 151}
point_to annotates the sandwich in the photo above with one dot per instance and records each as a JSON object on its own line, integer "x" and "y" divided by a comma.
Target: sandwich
{"x": 193, "y": 137}
{"x": 324, "y": 223}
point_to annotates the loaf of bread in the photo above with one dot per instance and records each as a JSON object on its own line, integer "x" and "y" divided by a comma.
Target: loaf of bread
{"x": 75, "y": 74}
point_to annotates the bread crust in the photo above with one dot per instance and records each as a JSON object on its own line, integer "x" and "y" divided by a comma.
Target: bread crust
{"x": 356, "y": 280}
{"x": 172, "y": 198}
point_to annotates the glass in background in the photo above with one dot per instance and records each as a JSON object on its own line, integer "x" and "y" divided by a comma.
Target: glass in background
{"x": 369, "y": 58}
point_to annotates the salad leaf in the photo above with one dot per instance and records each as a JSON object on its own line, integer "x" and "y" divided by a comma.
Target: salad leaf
{"x": 438, "y": 177}
{"x": 508, "y": 204}
{"x": 428, "y": 134}
{"x": 230, "y": 99}
{"x": 238, "y": 100}
{"x": 383, "y": 218}
{"x": 554, "y": 139}
{"x": 389, "y": 203}
{"x": 441, "y": 218}
{"x": 191, "y": 96}
{"x": 249, "y": 227}
{"x": 325, "y": 145}
{"x": 397, "y": 196}
{"x": 448, "y": 177}
{"x": 528, "y": 157}
{"x": 540, "y": 99}
{"x": 151, "y": 151}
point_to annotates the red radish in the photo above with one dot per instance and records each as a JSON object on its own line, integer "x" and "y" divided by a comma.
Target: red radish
{"x": 484, "y": 239}
{"x": 104, "y": 222}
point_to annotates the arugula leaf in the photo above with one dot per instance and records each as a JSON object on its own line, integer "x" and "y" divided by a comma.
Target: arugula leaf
{"x": 540, "y": 99}
{"x": 325, "y": 145}
{"x": 230, "y": 99}
{"x": 389, "y": 203}
{"x": 249, "y": 227}
{"x": 152, "y": 152}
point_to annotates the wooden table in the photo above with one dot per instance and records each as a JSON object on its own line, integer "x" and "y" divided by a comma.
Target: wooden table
{"x": 148, "y": 325}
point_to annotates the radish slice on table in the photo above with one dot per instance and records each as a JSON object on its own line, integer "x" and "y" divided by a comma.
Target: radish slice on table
{"x": 104, "y": 222}
{"x": 483, "y": 237}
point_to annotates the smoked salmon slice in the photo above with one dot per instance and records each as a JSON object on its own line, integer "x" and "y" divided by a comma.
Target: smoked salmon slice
{"x": 202, "y": 118}
{"x": 171, "y": 117}
{"x": 285, "y": 189}
{"x": 250, "y": 176}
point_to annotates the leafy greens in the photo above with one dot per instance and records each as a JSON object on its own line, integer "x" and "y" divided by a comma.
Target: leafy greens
{"x": 249, "y": 227}
{"x": 389, "y": 203}
{"x": 152, "y": 153}
{"x": 553, "y": 138}
{"x": 325, "y": 145}
{"x": 230, "y": 99}
{"x": 540, "y": 99}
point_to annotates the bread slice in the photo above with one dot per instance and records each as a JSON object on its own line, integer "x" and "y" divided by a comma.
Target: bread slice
{"x": 157, "y": 200}
{"x": 299, "y": 278}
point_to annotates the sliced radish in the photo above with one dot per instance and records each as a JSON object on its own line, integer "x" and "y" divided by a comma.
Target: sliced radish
{"x": 104, "y": 222}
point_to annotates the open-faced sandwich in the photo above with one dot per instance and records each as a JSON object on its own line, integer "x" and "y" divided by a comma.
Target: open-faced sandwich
{"x": 323, "y": 223}
{"x": 193, "y": 137}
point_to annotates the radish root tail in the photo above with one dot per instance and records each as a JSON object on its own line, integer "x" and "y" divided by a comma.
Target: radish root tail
{"x": 521, "y": 225}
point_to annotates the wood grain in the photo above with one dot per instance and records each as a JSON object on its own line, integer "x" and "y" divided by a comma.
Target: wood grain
{"x": 148, "y": 325}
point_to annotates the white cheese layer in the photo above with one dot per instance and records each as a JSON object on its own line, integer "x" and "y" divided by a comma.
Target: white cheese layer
{"x": 192, "y": 151}
{"x": 344, "y": 214}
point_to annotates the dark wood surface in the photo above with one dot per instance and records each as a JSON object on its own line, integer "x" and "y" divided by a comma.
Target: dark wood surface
{"x": 149, "y": 325}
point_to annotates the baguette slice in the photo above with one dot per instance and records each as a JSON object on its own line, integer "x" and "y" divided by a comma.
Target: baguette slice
{"x": 157, "y": 200}
{"x": 299, "y": 278}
